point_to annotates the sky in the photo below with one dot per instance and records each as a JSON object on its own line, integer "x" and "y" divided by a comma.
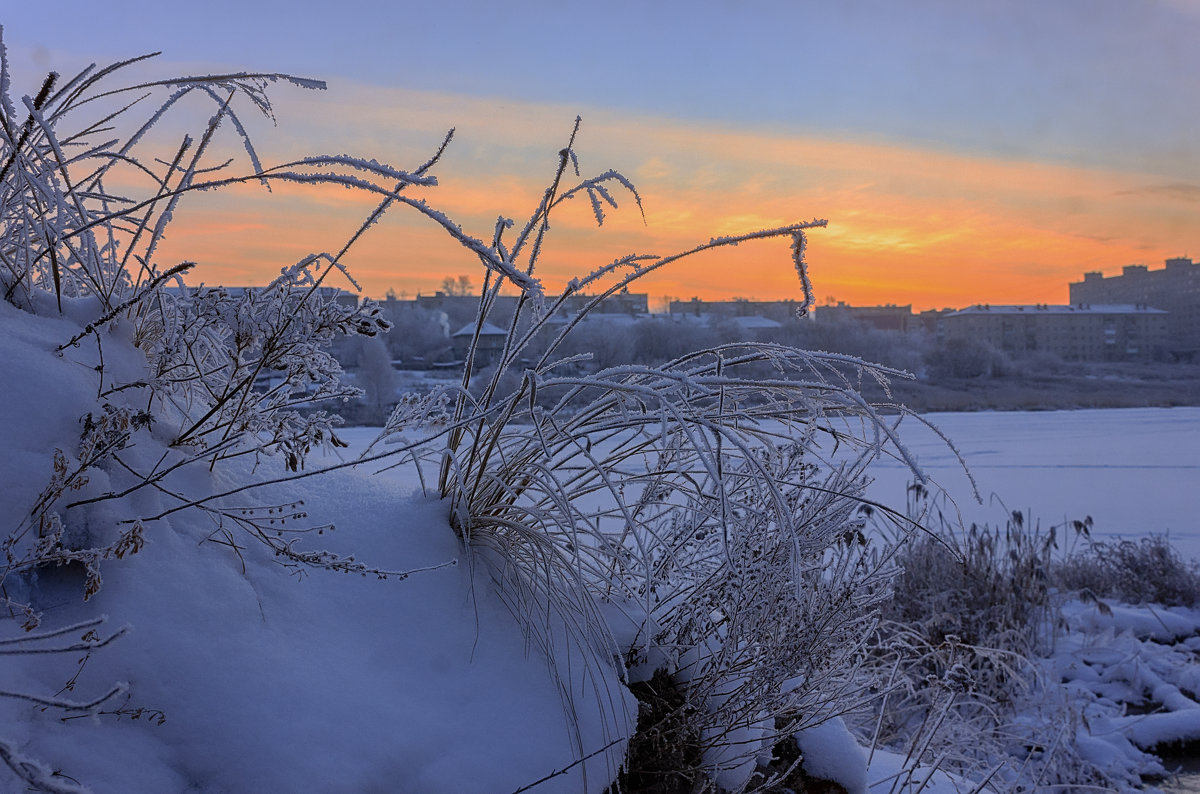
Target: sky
{"x": 983, "y": 152}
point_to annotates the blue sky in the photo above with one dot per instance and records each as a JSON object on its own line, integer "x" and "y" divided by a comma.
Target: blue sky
{"x": 1093, "y": 87}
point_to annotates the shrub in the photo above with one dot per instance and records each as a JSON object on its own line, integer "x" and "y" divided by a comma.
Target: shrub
{"x": 847, "y": 335}
{"x": 961, "y": 359}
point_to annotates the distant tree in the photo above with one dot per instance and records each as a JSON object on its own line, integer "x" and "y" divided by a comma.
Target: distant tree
{"x": 659, "y": 340}
{"x": 961, "y": 359}
{"x": 853, "y": 338}
{"x": 457, "y": 286}
{"x": 608, "y": 345}
{"x": 376, "y": 377}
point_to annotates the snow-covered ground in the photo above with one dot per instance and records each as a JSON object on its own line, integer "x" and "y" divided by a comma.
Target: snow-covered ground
{"x": 242, "y": 676}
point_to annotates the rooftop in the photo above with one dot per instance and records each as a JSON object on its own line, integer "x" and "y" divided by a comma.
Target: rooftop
{"x": 1069, "y": 308}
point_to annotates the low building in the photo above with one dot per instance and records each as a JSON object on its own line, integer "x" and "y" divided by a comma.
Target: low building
{"x": 489, "y": 347}
{"x": 930, "y": 321}
{"x": 1077, "y": 332}
{"x": 889, "y": 317}
{"x": 779, "y": 311}
{"x": 633, "y": 304}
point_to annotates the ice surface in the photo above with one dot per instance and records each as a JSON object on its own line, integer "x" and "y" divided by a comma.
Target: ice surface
{"x": 1133, "y": 470}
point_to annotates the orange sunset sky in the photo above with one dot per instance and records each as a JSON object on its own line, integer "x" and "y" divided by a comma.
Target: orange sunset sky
{"x": 988, "y": 153}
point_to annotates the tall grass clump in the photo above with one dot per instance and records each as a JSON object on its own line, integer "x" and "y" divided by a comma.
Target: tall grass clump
{"x": 968, "y": 611}
{"x": 696, "y": 521}
{"x": 1147, "y": 570}
{"x": 959, "y": 655}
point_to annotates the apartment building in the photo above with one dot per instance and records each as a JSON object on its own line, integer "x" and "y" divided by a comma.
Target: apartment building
{"x": 889, "y": 317}
{"x": 1078, "y": 332}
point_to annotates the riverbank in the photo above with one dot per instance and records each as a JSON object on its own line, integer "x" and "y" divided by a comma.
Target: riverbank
{"x": 1063, "y": 388}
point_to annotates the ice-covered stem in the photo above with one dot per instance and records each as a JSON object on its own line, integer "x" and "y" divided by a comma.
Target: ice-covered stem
{"x": 37, "y": 776}
{"x": 799, "y": 244}
{"x": 29, "y": 643}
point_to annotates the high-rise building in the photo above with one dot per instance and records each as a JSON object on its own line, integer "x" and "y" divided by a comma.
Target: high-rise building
{"x": 1175, "y": 289}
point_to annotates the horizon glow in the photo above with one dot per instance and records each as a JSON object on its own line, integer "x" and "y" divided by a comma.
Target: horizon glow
{"x": 960, "y": 154}
{"x": 905, "y": 225}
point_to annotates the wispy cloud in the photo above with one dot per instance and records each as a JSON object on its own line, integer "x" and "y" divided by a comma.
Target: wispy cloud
{"x": 1177, "y": 191}
{"x": 906, "y": 224}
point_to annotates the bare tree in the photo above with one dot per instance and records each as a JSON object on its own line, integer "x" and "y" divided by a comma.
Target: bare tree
{"x": 458, "y": 286}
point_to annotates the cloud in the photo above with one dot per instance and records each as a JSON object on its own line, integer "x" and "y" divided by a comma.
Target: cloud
{"x": 907, "y": 224}
{"x": 1177, "y": 191}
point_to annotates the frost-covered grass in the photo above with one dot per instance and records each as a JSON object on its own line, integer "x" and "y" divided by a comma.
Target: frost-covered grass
{"x": 1028, "y": 657}
{"x": 635, "y": 521}
{"x": 200, "y": 597}
{"x": 1147, "y": 570}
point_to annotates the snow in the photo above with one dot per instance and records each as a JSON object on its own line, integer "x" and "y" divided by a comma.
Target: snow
{"x": 244, "y": 676}
{"x": 1158, "y": 623}
{"x": 832, "y": 753}
{"x": 269, "y": 682}
{"x": 894, "y": 773}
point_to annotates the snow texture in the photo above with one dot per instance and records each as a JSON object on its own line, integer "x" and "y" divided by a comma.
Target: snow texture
{"x": 832, "y": 753}
{"x": 268, "y": 682}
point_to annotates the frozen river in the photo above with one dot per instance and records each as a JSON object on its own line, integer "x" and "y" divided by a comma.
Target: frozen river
{"x": 1133, "y": 470}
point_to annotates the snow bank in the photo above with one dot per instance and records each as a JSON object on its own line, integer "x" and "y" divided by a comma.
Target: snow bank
{"x": 271, "y": 682}
{"x": 832, "y": 753}
{"x": 1163, "y": 624}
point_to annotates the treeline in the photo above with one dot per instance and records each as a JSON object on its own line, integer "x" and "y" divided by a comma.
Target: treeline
{"x": 958, "y": 374}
